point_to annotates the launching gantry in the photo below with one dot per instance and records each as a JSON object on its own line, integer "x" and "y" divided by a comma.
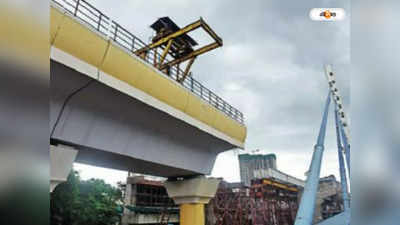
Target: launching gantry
{"x": 176, "y": 46}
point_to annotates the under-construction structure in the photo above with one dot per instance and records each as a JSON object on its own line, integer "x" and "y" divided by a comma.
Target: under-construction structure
{"x": 257, "y": 202}
{"x": 329, "y": 199}
{"x": 257, "y": 162}
{"x": 263, "y": 202}
{"x": 267, "y": 201}
{"x": 146, "y": 202}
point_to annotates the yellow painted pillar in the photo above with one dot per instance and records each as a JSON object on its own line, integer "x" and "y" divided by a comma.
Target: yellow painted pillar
{"x": 192, "y": 214}
{"x": 191, "y": 195}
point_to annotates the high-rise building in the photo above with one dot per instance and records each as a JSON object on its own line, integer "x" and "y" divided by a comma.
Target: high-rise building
{"x": 249, "y": 163}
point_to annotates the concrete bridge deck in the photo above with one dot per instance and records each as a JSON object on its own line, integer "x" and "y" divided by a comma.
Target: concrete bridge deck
{"x": 121, "y": 112}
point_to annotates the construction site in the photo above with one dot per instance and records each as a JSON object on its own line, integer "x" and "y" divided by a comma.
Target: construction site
{"x": 121, "y": 103}
{"x": 271, "y": 197}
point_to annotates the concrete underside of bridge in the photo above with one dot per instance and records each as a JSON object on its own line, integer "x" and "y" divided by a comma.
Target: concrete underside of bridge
{"x": 111, "y": 129}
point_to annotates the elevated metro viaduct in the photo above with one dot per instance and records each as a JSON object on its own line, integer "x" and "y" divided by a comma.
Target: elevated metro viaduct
{"x": 110, "y": 108}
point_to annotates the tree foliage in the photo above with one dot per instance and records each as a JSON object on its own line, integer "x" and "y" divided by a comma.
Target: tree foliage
{"x": 80, "y": 202}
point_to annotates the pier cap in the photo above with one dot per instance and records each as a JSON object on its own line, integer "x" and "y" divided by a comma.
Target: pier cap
{"x": 194, "y": 190}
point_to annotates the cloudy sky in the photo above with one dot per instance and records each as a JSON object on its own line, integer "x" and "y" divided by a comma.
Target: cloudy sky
{"x": 270, "y": 68}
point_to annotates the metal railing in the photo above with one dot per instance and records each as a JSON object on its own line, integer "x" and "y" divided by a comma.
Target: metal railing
{"x": 93, "y": 17}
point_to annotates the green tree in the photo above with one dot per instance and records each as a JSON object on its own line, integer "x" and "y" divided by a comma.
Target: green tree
{"x": 79, "y": 202}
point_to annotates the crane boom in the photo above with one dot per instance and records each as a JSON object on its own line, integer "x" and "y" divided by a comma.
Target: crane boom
{"x": 343, "y": 122}
{"x": 338, "y": 101}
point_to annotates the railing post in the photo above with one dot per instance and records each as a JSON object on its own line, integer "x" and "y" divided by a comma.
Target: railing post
{"x": 155, "y": 57}
{"x": 191, "y": 84}
{"x": 99, "y": 24}
{"x": 133, "y": 44}
{"x": 76, "y": 7}
{"x": 116, "y": 30}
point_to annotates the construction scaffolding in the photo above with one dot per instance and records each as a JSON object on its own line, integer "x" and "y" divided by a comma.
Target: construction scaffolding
{"x": 265, "y": 202}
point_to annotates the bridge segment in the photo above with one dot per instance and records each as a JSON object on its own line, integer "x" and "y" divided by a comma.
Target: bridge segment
{"x": 121, "y": 112}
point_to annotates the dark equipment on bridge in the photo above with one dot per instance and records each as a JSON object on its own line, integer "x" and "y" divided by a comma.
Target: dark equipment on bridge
{"x": 176, "y": 43}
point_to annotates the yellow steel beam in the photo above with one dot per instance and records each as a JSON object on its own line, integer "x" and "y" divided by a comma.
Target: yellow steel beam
{"x": 184, "y": 30}
{"x": 164, "y": 54}
{"x": 190, "y": 63}
{"x": 191, "y": 55}
{"x": 276, "y": 184}
{"x": 211, "y": 32}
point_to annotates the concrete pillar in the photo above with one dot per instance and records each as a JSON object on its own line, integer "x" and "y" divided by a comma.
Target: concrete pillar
{"x": 191, "y": 195}
{"x": 61, "y": 160}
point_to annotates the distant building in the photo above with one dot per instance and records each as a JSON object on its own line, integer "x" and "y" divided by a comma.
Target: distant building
{"x": 146, "y": 202}
{"x": 329, "y": 198}
{"x": 250, "y": 163}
